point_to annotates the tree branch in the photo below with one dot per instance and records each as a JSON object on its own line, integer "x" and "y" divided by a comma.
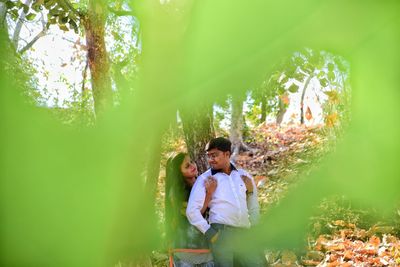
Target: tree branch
{"x": 37, "y": 37}
{"x": 18, "y": 26}
{"x": 31, "y": 43}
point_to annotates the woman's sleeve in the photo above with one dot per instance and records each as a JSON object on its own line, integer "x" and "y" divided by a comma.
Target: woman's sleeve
{"x": 196, "y": 202}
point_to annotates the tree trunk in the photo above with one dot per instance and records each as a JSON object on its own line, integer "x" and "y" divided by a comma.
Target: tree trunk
{"x": 303, "y": 94}
{"x": 198, "y": 131}
{"x": 281, "y": 112}
{"x": 263, "y": 109}
{"x": 236, "y": 129}
{"x": 97, "y": 55}
{"x": 3, "y": 18}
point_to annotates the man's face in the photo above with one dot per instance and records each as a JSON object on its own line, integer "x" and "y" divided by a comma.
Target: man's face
{"x": 217, "y": 158}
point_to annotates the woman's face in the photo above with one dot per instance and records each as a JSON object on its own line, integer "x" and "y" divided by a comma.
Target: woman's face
{"x": 189, "y": 171}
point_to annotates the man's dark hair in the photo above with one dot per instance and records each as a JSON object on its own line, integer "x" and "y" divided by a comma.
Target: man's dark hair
{"x": 220, "y": 143}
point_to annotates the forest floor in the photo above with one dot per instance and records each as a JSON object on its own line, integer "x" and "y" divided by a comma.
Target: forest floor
{"x": 340, "y": 235}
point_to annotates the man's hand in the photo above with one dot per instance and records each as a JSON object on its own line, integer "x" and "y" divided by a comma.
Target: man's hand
{"x": 211, "y": 185}
{"x": 249, "y": 184}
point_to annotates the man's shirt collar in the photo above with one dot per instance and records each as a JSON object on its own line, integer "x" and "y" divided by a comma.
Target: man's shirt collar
{"x": 213, "y": 172}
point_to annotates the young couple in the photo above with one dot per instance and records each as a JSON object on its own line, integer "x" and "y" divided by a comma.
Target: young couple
{"x": 208, "y": 211}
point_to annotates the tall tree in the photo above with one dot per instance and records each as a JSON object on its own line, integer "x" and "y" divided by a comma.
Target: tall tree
{"x": 237, "y": 122}
{"x": 264, "y": 104}
{"x": 303, "y": 93}
{"x": 94, "y": 23}
{"x": 283, "y": 103}
{"x": 198, "y": 130}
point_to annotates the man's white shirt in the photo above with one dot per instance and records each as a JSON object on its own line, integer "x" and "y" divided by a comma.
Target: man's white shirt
{"x": 229, "y": 205}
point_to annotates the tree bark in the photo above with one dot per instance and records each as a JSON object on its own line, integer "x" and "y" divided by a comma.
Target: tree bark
{"x": 3, "y": 18}
{"x": 303, "y": 94}
{"x": 236, "y": 130}
{"x": 281, "y": 112}
{"x": 198, "y": 131}
{"x": 99, "y": 65}
{"x": 263, "y": 109}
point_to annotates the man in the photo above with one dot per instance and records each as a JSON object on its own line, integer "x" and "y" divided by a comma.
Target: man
{"x": 233, "y": 207}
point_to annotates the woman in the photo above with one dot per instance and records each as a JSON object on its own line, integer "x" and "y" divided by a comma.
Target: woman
{"x": 181, "y": 174}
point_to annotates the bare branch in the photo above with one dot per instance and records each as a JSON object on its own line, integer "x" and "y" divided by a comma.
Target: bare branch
{"x": 31, "y": 43}
{"x": 18, "y": 26}
{"x": 43, "y": 20}
{"x": 37, "y": 37}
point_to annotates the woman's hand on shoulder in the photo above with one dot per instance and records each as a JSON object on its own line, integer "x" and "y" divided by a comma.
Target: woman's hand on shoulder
{"x": 210, "y": 183}
{"x": 249, "y": 184}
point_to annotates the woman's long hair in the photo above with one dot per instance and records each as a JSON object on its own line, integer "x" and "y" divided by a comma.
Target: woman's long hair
{"x": 176, "y": 192}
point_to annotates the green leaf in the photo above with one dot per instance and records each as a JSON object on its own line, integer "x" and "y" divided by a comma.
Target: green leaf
{"x": 285, "y": 79}
{"x": 55, "y": 11}
{"x": 281, "y": 90}
{"x": 36, "y": 7}
{"x": 25, "y": 8}
{"x": 49, "y": 3}
{"x": 73, "y": 26}
{"x": 298, "y": 76}
{"x": 323, "y": 82}
{"x": 331, "y": 66}
{"x": 10, "y": 4}
{"x": 299, "y": 61}
{"x": 293, "y": 88}
{"x": 52, "y": 21}
{"x": 14, "y": 13}
{"x": 321, "y": 75}
{"x": 331, "y": 76}
{"x": 63, "y": 27}
{"x": 30, "y": 16}
{"x": 62, "y": 20}
{"x": 308, "y": 67}
{"x": 291, "y": 69}
{"x": 275, "y": 76}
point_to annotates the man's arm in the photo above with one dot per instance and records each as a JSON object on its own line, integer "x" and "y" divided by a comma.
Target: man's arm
{"x": 195, "y": 204}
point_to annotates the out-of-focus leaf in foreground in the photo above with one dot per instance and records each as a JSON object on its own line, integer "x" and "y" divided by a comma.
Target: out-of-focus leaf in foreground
{"x": 76, "y": 198}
